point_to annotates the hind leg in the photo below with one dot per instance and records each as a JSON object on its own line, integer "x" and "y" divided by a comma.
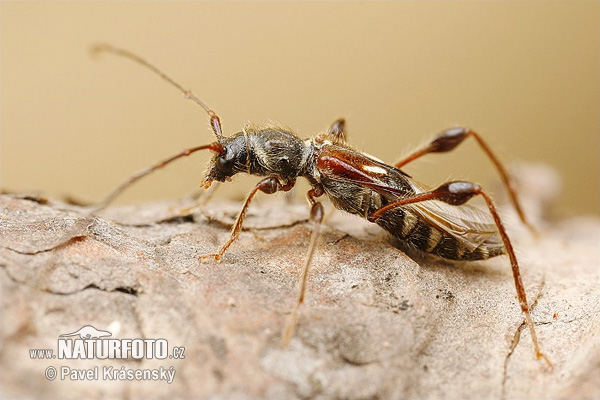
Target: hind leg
{"x": 457, "y": 193}
{"x": 449, "y": 139}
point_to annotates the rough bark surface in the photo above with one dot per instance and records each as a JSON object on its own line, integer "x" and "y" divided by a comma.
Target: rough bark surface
{"x": 376, "y": 324}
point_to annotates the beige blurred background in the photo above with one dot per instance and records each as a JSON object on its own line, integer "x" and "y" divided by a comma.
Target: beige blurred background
{"x": 524, "y": 74}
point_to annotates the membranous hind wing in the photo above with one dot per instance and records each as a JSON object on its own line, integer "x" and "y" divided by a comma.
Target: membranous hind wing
{"x": 470, "y": 226}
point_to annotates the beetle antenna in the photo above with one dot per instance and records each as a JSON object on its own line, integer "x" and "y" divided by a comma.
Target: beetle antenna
{"x": 216, "y": 147}
{"x": 106, "y": 48}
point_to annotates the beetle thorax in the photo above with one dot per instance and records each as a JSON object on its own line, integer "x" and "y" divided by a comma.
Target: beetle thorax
{"x": 276, "y": 151}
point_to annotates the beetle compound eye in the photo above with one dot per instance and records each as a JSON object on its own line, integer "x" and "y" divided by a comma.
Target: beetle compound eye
{"x": 225, "y": 164}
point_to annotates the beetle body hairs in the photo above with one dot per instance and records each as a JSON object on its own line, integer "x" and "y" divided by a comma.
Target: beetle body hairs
{"x": 435, "y": 221}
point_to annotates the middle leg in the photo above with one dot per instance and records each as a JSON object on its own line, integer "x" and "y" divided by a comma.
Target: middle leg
{"x": 316, "y": 216}
{"x": 337, "y": 131}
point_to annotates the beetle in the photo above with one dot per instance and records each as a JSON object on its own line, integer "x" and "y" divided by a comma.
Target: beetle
{"x": 435, "y": 221}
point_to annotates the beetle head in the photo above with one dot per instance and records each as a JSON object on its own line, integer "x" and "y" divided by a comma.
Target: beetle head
{"x": 230, "y": 159}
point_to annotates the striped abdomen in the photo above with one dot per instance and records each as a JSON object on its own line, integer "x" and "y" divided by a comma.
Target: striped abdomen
{"x": 362, "y": 185}
{"x": 409, "y": 228}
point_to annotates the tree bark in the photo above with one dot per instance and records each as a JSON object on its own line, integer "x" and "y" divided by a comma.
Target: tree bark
{"x": 376, "y": 323}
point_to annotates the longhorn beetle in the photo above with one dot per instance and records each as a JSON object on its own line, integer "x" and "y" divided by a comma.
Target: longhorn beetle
{"x": 433, "y": 221}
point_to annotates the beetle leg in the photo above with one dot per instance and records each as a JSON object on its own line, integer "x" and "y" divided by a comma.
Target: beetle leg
{"x": 198, "y": 200}
{"x": 268, "y": 185}
{"x": 337, "y": 132}
{"x": 316, "y": 216}
{"x": 457, "y": 193}
{"x": 449, "y": 139}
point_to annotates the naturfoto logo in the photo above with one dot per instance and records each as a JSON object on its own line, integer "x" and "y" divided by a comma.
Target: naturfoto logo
{"x": 91, "y": 343}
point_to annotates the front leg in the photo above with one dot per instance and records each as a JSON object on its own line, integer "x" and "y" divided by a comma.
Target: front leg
{"x": 268, "y": 185}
